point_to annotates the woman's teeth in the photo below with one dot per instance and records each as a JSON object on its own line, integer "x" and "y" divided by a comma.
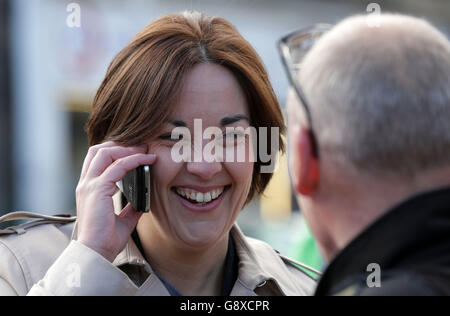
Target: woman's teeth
{"x": 200, "y": 197}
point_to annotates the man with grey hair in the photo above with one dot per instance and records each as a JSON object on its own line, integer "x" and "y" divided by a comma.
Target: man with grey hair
{"x": 369, "y": 128}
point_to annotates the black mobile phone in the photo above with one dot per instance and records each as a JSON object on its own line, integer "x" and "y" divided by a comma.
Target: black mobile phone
{"x": 135, "y": 187}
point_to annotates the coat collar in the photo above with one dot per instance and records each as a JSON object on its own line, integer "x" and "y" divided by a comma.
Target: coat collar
{"x": 410, "y": 234}
{"x": 129, "y": 255}
{"x": 133, "y": 264}
{"x": 261, "y": 270}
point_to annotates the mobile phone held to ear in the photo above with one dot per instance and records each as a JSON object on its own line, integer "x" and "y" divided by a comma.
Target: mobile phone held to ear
{"x": 135, "y": 186}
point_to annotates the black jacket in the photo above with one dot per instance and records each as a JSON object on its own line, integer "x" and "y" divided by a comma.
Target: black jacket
{"x": 411, "y": 245}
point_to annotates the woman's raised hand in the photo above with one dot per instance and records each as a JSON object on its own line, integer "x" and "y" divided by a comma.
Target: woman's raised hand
{"x": 99, "y": 228}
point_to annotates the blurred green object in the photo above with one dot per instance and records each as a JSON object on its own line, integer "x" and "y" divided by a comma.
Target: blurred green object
{"x": 305, "y": 249}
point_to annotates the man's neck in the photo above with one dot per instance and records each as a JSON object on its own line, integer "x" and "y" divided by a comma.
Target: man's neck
{"x": 364, "y": 202}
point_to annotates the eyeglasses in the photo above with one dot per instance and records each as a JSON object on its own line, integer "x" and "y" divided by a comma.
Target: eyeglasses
{"x": 293, "y": 48}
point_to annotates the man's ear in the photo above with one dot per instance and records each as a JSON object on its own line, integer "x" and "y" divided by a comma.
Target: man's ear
{"x": 306, "y": 168}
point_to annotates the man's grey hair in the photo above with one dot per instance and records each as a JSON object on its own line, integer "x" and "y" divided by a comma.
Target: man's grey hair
{"x": 380, "y": 96}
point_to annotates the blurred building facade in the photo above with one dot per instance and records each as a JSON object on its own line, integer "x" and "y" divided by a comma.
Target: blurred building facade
{"x": 5, "y": 111}
{"x": 53, "y": 70}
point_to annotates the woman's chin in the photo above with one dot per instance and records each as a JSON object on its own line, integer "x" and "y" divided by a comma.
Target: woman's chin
{"x": 200, "y": 237}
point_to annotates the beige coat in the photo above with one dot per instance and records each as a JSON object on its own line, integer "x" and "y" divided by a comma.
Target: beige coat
{"x": 42, "y": 257}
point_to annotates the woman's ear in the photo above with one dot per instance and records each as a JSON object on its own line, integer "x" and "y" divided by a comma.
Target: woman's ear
{"x": 305, "y": 163}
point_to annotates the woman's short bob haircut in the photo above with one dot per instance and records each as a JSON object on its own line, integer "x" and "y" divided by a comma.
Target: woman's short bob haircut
{"x": 142, "y": 82}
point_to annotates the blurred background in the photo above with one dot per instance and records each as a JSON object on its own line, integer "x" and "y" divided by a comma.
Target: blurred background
{"x": 51, "y": 67}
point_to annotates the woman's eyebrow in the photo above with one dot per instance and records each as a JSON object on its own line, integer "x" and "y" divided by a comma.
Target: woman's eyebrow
{"x": 228, "y": 120}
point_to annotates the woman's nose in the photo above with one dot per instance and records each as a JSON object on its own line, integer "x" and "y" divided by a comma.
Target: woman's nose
{"x": 205, "y": 170}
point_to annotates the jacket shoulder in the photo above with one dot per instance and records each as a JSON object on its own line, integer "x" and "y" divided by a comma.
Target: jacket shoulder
{"x": 300, "y": 267}
{"x": 28, "y": 250}
{"x": 284, "y": 270}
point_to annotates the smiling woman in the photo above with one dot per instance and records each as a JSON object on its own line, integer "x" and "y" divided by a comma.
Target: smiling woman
{"x": 180, "y": 69}
{"x": 142, "y": 84}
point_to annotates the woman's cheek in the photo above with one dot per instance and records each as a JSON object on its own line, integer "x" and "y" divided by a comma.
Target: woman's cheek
{"x": 241, "y": 173}
{"x": 165, "y": 169}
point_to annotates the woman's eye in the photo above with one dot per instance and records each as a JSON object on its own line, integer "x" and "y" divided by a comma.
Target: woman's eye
{"x": 170, "y": 137}
{"x": 167, "y": 140}
{"x": 166, "y": 137}
{"x": 170, "y": 140}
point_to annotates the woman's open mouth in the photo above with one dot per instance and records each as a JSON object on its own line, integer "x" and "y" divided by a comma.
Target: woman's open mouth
{"x": 201, "y": 201}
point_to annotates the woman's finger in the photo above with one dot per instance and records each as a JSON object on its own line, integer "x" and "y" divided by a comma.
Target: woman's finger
{"x": 126, "y": 210}
{"x": 119, "y": 168}
{"x": 107, "y": 155}
{"x": 129, "y": 217}
{"x": 91, "y": 154}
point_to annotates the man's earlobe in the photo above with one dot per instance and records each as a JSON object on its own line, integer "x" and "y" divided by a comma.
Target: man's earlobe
{"x": 307, "y": 177}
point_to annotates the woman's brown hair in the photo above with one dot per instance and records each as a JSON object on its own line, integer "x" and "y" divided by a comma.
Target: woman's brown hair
{"x": 143, "y": 81}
